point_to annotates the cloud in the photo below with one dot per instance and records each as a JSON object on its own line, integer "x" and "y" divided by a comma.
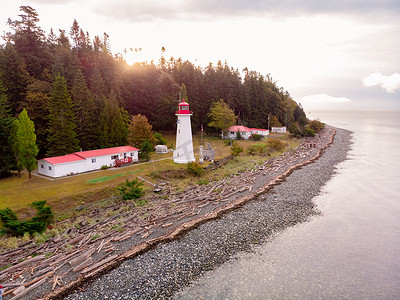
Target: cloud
{"x": 389, "y": 83}
{"x": 147, "y": 10}
{"x": 324, "y": 98}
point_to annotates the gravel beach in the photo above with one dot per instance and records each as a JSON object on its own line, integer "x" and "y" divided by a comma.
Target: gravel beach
{"x": 160, "y": 273}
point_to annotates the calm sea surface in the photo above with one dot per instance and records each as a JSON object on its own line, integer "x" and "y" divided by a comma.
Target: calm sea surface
{"x": 352, "y": 251}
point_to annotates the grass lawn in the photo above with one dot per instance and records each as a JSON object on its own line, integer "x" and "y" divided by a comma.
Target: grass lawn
{"x": 68, "y": 192}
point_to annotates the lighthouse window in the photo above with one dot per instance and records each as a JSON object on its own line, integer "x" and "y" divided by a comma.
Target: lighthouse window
{"x": 185, "y": 107}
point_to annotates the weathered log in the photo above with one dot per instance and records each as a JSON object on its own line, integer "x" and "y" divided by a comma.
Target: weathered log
{"x": 83, "y": 265}
{"x": 98, "y": 264}
{"x": 31, "y": 282}
{"x": 28, "y": 290}
{"x": 21, "y": 264}
{"x": 82, "y": 257}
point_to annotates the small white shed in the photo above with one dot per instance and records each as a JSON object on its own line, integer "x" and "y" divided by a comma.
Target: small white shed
{"x": 278, "y": 129}
{"x": 161, "y": 149}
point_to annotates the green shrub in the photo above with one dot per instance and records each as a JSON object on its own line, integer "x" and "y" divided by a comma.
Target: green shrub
{"x": 256, "y": 137}
{"x": 160, "y": 139}
{"x": 236, "y": 149}
{"x": 131, "y": 189}
{"x": 307, "y": 131}
{"x": 227, "y": 142}
{"x": 44, "y": 216}
{"x": 316, "y": 125}
{"x": 195, "y": 168}
{"x": 238, "y": 135}
{"x": 275, "y": 144}
{"x": 104, "y": 167}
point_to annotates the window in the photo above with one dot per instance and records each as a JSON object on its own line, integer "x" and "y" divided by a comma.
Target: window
{"x": 42, "y": 166}
{"x": 93, "y": 160}
{"x": 132, "y": 154}
{"x": 50, "y": 168}
{"x": 232, "y": 132}
{"x": 185, "y": 107}
{"x": 114, "y": 156}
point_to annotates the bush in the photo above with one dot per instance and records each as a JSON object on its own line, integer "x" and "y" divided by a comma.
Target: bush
{"x": 256, "y": 137}
{"x": 316, "y": 125}
{"x": 104, "y": 167}
{"x": 160, "y": 139}
{"x": 275, "y": 144}
{"x": 44, "y": 216}
{"x": 256, "y": 148}
{"x": 227, "y": 142}
{"x": 131, "y": 189}
{"x": 307, "y": 131}
{"x": 236, "y": 149}
{"x": 203, "y": 182}
{"x": 195, "y": 169}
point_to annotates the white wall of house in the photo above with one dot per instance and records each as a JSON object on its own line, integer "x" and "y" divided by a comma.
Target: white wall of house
{"x": 63, "y": 169}
{"x": 45, "y": 168}
{"x": 233, "y": 134}
{"x": 278, "y": 129}
{"x": 261, "y": 132}
{"x": 95, "y": 163}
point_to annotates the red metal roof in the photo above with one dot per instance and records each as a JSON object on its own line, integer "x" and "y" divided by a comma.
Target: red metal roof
{"x": 106, "y": 151}
{"x": 244, "y": 128}
{"x": 258, "y": 129}
{"x": 239, "y": 128}
{"x": 63, "y": 159}
{"x": 86, "y": 154}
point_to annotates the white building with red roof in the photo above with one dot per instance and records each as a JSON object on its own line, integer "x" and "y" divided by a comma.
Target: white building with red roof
{"x": 245, "y": 132}
{"x": 85, "y": 161}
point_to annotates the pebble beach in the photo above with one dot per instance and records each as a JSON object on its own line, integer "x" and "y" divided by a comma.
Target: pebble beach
{"x": 165, "y": 270}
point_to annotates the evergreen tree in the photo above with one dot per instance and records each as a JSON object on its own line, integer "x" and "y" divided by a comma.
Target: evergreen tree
{"x": 14, "y": 76}
{"x": 36, "y": 103}
{"x": 84, "y": 109}
{"x": 113, "y": 124}
{"x": 62, "y": 138}
{"x": 184, "y": 92}
{"x": 27, "y": 148}
{"x": 29, "y": 41}
{"x": 7, "y": 161}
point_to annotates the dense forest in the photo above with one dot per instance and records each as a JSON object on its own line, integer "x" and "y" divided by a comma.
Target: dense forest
{"x": 80, "y": 95}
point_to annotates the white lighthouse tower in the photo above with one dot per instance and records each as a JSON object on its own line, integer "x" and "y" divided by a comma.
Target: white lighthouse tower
{"x": 184, "y": 143}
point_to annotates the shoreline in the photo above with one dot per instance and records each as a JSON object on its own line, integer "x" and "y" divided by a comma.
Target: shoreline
{"x": 284, "y": 166}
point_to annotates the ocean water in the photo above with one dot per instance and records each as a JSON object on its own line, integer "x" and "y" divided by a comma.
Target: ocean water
{"x": 351, "y": 251}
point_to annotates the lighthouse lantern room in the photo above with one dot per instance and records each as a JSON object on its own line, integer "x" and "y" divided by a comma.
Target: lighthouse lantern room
{"x": 184, "y": 142}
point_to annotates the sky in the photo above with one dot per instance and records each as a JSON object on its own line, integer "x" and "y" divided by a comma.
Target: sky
{"x": 339, "y": 54}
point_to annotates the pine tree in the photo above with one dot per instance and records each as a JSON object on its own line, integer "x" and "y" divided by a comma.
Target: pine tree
{"x": 14, "y": 76}
{"x": 7, "y": 161}
{"x": 62, "y": 138}
{"x": 84, "y": 109}
{"x": 27, "y": 148}
{"x": 113, "y": 125}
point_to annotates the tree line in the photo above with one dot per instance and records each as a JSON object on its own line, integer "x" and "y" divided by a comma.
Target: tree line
{"x": 81, "y": 96}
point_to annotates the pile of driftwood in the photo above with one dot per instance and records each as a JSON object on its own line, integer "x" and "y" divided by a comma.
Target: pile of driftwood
{"x": 80, "y": 253}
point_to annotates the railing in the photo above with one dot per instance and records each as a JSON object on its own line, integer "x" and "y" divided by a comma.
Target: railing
{"x": 122, "y": 161}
